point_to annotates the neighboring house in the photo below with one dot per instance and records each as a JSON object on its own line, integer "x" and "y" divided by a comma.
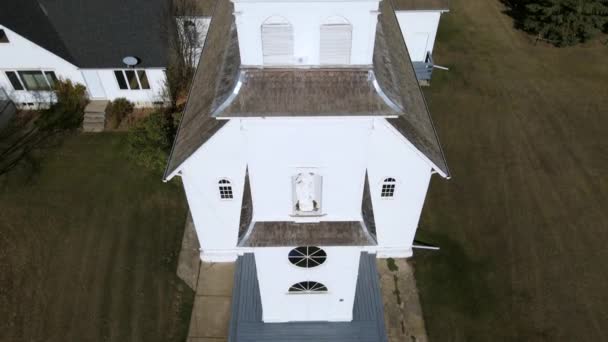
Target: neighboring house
{"x": 84, "y": 41}
{"x": 305, "y": 150}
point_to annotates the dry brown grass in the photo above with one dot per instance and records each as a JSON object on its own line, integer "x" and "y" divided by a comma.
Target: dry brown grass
{"x": 523, "y": 223}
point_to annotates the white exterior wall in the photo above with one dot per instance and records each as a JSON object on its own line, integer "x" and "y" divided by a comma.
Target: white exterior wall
{"x": 306, "y": 19}
{"x": 276, "y": 274}
{"x": 216, "y": 220}
{"x": 419, "y": 29}
{"x": 275, "y": 149}
{"x": 335, "y": 149}
{"x": 142, "y": 97}
{"x": 397, "y": 217}
{"x": 22, "y": 54}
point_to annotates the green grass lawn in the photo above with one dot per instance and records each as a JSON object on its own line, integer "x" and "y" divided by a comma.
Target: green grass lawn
{"x": 88, "y": 248}
{"x": 523, "y": 224}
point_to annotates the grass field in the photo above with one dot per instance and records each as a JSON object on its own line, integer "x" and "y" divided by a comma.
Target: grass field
{"x": 88, "y": 249}
{"x": 523, "y": 224}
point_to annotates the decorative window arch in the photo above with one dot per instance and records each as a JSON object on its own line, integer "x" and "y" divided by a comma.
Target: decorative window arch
{"x": 388, "y": 187}
{"x": 277, "y": 41}
{"x": 307, "y": 256}
{"x": 225, "y": 188}
{"x": 308, "y": 287}
{"x": 335, "y": 41}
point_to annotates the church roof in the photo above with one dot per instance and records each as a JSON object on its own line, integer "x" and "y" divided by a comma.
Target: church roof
{"x": 306, "y": 92}
{"x": 324, "y": 233}
{"x": 421, "y": 5}
{"x": 221, "y": 88}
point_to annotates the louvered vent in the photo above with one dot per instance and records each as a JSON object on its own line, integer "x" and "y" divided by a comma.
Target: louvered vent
{"x": 277, "y": 42}
{"x": 336, "y": 41}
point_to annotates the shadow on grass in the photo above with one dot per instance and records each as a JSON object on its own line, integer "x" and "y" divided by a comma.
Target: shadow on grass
{"x": 449, "y": 278}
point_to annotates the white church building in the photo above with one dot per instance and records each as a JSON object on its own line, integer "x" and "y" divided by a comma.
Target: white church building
{"x": 306, "y": 150}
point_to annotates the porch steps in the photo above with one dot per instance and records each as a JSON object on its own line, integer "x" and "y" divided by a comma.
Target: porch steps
{"x": 95, "y": 116}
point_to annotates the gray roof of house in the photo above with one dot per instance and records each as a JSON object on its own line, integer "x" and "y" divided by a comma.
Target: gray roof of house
{"x": 421, "y": 5}
{"x": 213, "y": 90}
{"x": 27, "y": 18}
{"x": 93, "y": 33}
{"x": 324, "y": 233}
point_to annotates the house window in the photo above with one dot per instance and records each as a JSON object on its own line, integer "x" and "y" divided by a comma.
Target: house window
{"x": 51, "y": 78}
{"x": 308, "y": 287}
{"x": 225, "y": 188}
{"x": 131, "y": 79}
{"x": 3, "y": 37}
{"x": 277, "y": 41}
{"x": 34, "y": 80}
{"x": 335, "y": 41}
{"x": 306, "y": 194}
{"x": 14, "y": 79}
{"x": 307, "y": 256}
{"x": 388, "y": 188}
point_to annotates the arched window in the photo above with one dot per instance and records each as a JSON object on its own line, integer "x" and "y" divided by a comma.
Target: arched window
{"x": 277, "y": 41}
{"x": 388, "y": 188}
{"x": 307, "y": 256}
{"x": 308, "y": 287}
{"x": 225, "y": 188}
{"x": 336, "y": 41}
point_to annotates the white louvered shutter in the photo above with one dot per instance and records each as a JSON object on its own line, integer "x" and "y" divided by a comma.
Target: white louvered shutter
{"x": 277, "y": 44}
{"x": 336, "y": 40}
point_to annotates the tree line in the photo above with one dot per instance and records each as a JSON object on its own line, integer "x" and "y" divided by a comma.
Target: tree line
{"x": 560, "y": 22}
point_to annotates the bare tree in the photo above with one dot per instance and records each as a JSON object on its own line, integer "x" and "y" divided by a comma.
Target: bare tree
{"x": 185, "y": 34}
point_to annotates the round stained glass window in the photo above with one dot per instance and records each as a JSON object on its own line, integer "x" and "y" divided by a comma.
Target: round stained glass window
{"x": 307, "y": 256}
{"x": 307, "y": 287}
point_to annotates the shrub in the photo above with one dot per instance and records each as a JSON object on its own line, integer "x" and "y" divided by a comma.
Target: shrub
{"x": 150, "y": 141}
{"x": 65, "y": 115}
{"x": 118, "y": 110}
{"x": 67, "y": 112}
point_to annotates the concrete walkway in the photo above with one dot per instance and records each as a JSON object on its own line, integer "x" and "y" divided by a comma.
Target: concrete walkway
{"x": 402, "y": 310}
{"x": 189, "y": 261}
{"x": 213, "y": 285}
{"x": 211, "y": 312}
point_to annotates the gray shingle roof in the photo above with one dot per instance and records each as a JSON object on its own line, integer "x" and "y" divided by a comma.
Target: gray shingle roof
{"x": 396, "y": 75}
{"x": 93, "y": 33}
{"x": 213, "y": 81}
{"x": 218, "y": 73}
{"x": 307, "y": 92}
{"x": 27, "y": 19}
{"x": 421, "y": 5}
{"x": 324, "y": 233}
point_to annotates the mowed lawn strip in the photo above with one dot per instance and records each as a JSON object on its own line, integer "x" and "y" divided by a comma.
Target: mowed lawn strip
{"x": 523, "y": 224}
{"x": 89, "y": 246}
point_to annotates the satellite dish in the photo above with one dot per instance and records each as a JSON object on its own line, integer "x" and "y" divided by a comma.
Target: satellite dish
{"x": 130, "y": 61}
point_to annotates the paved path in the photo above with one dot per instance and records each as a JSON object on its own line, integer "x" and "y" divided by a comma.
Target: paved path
{"x": 211, "y": 312}
{"x": 189, "y": 256}
{"x": 402, "y": 310}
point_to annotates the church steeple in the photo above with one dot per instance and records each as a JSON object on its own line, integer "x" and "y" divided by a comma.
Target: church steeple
{"x": 322, "y": 33}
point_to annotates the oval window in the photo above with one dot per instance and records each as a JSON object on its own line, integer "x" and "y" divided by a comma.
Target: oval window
{"x": 307, "y": 256}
